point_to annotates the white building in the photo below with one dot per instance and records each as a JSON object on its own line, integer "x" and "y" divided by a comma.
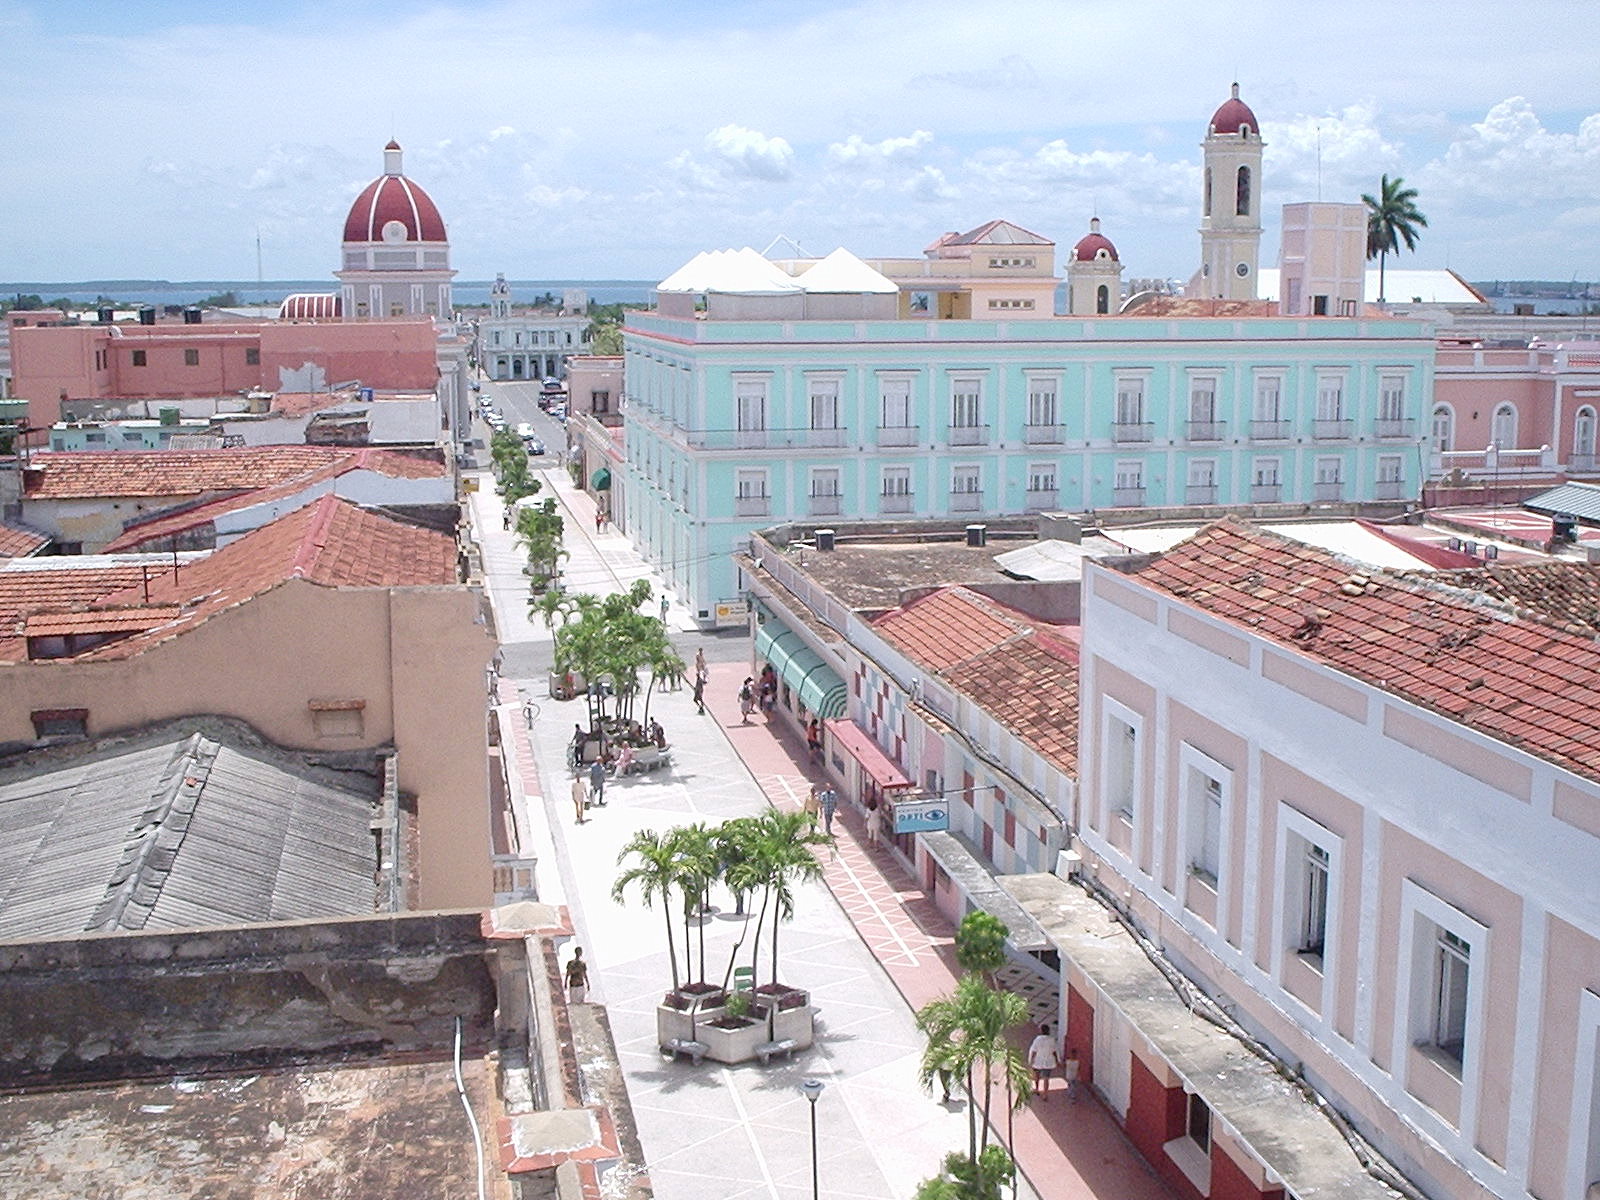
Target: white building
{"x": 532, "y": 343}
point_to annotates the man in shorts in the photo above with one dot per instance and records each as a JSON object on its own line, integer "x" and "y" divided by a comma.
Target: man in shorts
{"x": 1044, "y": 1056}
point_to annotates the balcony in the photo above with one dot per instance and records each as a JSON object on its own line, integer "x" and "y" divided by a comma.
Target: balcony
{"x": 1269, "y": 431}
{"x": 1132, "y": 431}
{"x": 1333, "y": 431}
{"x": 1584, "y": 463}
{"x": 1405, "y": 428}
{"x": 1044, "y": 435}
{"x": 752, "y": 506}
{"x": 968, "y": 435}
{"x": 1041, "y": 499}
{"x": 750, "y": 439}
{"x": 1389, "y": 489}
{"x": 1266, "y": 493}
{"x": 820, "y": 439}
{"x": 895, "y": 502}
{"x": 1327, "y": 490}
{"x": 826, "y": 504}
{"x": 898, "y": 435}
{"x": 965, "y": 502}
{"x": 1200, "y": 493}
{"x": 1207, "y": 431}
{"x": 1127, "y": 497}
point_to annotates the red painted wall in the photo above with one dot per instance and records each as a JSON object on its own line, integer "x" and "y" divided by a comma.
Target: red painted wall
{"x": 1156, "y": 1115}
{"x": 1228, "y": 1182}
{"x": 1080, "y": 1032}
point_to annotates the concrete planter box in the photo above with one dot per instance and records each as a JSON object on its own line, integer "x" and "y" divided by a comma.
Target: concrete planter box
{"x": 679, "y": 1023}
{"x": 733, "y": 1045}
{"x": 675, "y": 1026}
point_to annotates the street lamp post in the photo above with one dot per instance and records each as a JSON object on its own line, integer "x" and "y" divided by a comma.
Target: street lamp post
{"x": 811, "y": 1089}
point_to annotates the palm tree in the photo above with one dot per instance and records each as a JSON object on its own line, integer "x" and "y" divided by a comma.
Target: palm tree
{"x": 1392, "y": 218}
{"x": 656, "y": 873}
{"x": 786, "y": 859}
{"x": 695, "y": 860}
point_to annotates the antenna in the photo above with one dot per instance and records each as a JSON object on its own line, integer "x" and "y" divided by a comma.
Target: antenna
{"x": 1319, "y": 162}
{"x": 786, "y": 240}
{"x": 260, "y": 286}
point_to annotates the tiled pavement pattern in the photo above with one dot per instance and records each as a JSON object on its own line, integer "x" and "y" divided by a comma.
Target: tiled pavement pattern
{"x": 869, "y": 959}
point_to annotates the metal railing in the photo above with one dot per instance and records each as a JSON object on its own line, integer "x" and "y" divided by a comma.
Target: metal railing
{"x": 896, "y": 502}
{"x": 1327, "y": 491}
{"x": 898, "y": 435}
{"x": 1132, "y": 431}
{"x": 1269, "y": 431}
{"x": 968, "y": 435}
{"x": 1401, "y": 428}
{"x": 752, "y": 506}
{"x": 1207, "y": 431}
{"x": 1037, "y": 499}
{"x": 1128, "y": 497}
{"x": 1044, "y": 435}
{"x": 1389, "y": 489}
{"x": 1200, "y": 493}
{"x": 966, "y": 501}
{"x": 1333, "y": 431}
{"x": 826, "y": 504}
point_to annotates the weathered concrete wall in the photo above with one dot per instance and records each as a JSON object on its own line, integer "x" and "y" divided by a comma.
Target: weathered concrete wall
{"x": 97, "y": 1007}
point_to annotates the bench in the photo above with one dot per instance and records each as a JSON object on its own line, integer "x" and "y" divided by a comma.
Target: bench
{"x": 673, "y": 1047}
{"x": 767, "y": 1051}
{"x": 648, "y": 758}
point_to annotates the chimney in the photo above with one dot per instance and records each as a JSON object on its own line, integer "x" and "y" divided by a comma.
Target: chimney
{"x": 977, "y": 535}
{"x": 191, "y": 316}
{"x": 147, "y": 315}
{"x": 825, "y": 539}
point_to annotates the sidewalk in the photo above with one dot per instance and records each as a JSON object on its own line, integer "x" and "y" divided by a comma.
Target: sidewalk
{"x": 871, "y": 952}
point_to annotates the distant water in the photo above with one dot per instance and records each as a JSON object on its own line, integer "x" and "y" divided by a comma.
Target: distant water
{"x": 162, "y": 292}
{"x": 1555, "y": 305}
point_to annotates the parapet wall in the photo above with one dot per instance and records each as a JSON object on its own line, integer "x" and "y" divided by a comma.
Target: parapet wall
{"x": 113, "y": 1006}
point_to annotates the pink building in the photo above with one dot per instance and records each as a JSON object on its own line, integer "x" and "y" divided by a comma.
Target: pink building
{"x": 1360, "y": 812}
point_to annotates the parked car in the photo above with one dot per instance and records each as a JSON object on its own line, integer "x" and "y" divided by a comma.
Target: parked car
{"x": 554, "y": 385}
{"x": 525, "y": 431}
{"x": 558, "y": 411}
{"x": 534, "y": 445}
{"x": 494, "y": 420}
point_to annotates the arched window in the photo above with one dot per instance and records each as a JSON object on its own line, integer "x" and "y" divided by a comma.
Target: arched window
{"x": 1102, "y": 299}
{"x": 1504, "y": 430}
{"x": 1208, "y": 192}
{"x": 1242, "y": 205}
{"x": 1444, "y": 429}
{"x": 1583, "y": 438}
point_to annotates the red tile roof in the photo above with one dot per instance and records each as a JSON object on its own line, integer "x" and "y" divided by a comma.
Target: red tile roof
{"x": 332, "y": 543}
{"x": 17, "y": 542}
{"x": 1026, "y": 679}
{"x": 1566, "y": 594}
{"x": 91, "y": 474}
{"x": 98, "y": 620}
{"x": 1463, "y": 655}
{"x": 165, "y": 525}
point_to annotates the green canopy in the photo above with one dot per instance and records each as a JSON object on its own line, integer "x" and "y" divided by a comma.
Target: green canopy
{"x": 600, "y": 481}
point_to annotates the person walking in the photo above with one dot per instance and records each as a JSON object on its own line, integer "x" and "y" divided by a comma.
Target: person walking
{"x": 527, "y": 713}
{"x": 1043, "y": 1056}
{"x": 1069, "y": 1072}
{"x": 701, "y": 671}
{"x": 747, "y": 699}
{"x": 813, "y": 804}
{"x": 599, "y": 519}
{"x": 874, "y": 820}
{"x": 580, "y": 796}
{"x": 664, "y": 606}
{"x": 597, "y": 782}
{"x": 700, "y": 693}
{"x": 829, "y": 801}
{"x": 577, "y": 977}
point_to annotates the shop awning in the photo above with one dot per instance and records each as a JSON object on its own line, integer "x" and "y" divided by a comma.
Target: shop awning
{"x": 818, "y": 686}
{"x": 600, "y": 481}
{"x": 858, "y": 744}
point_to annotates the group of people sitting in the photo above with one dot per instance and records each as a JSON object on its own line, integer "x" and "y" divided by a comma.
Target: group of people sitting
{"x": 619, "y": 742}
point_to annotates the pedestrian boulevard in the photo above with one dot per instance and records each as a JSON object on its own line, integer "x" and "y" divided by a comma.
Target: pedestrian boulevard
{"x": 865, "y": 942}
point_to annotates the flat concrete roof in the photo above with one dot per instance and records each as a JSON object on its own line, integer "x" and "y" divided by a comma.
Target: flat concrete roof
{"x": 1297, "y": 1142}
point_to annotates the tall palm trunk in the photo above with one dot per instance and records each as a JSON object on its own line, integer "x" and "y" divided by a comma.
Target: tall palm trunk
{"x": 1383, "y": 256}
{"x": 672, "y": 949}
{"x": 705, "y": 909}
{"x": 972, "y": 1119}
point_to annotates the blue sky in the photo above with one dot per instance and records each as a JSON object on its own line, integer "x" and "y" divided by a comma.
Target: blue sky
{"x": 153, "y": 138}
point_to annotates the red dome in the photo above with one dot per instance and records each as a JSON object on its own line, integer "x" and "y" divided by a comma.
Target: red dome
{"x": 393, "y": 198}
{"x": 1090, "y": 245}
{"x": 1235, "y": 116}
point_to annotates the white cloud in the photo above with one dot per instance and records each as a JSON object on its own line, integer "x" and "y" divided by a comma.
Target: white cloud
{"x": 1511, "y": 159}
{"x": 856, "y": 151}
{"x": 500, "y": 131}
{"x": 1353, "y": 152}
{"x": 930, "y": 184}
{"x": 746, "y": 152}
{"x": 543, "y": 196}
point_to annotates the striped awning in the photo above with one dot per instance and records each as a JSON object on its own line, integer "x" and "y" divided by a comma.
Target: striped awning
{"x": 817, "y": 685}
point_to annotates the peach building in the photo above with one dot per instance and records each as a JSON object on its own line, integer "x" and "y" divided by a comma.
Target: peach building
{"x": 332, "y": 627}
{"x": 1360, "y": 812}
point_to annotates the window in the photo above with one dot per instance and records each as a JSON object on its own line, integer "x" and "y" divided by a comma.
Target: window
{"x": 1205, "y": 825}
{"x": 750, "y": 494}
{"x": 824, "y": 405}
{"x": 1504, "y": 432}
{"x": 1206, "y": 210}
{"x": 1392, "y": 398}
{"x": 600, "y": 401}
{"x": 252, "y": 356}
{"x": 751, "y": 399}
{"x": 1130, "y": 475}
{"x": 1202, "y": 401}
{"x": 1313, "y": 931}
{"x": 1444, "y": 425}
{"x": 1583, "y": 433}
{"x": 825, "y": 482}
{"x": 1330, "y": 398}
{"x": 966, "y": 404}
{"x": 1102, "y": 299}
{"x": 1330, "y": 470}
{"x": 1198, "y": 1123}
{"x": 896, "y": 399}
{"x": 191, "y": 358}
{"x": 140, "y": 358}
{"x": 897, "y": 481}
{"x": 1389, "y": 466}
{"x": 60, "y": 722}
{"x": 1041, "y": 477}
{"x": 494, "y": 338}
{"x": 1011, "y": 262}
{"x": 517, "y": 338}
{"x": 1130, "y": 401}
{"x": 1241, "y": 206}
{"x": 1452, "y": 961}
{"x": 1266, "y": 472}
{"x": 1041, "y": 402}
{"x": 1025, "y": 304}
{"x": 1268, "y": 400}
{"x": 1122, "y": 766}
{"x": 966, "y": 480}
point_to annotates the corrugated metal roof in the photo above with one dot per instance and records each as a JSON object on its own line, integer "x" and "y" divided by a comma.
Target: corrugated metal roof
{"x": 181, "y": 831}
{"x": 1582, "y": 500}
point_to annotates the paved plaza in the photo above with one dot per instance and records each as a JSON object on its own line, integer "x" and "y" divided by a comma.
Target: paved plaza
{"x": 865, "y": 942}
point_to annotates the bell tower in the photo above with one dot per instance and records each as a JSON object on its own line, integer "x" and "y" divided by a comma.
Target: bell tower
{"x": 1230, "y": 220}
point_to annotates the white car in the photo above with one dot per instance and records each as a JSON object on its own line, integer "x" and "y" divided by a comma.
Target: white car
{"x": 526, "y": 431}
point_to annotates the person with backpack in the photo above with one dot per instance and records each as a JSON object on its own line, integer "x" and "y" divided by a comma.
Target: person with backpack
{"x": 747, "y": 700}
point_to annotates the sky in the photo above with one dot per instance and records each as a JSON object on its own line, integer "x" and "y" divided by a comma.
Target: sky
{"x": 157, "y": 138}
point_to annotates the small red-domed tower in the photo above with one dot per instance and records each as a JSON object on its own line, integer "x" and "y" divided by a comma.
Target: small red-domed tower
{"x": 1230, "y": 216}
{"x": 396, "y": 256}
{"x": 1094, "y": 274}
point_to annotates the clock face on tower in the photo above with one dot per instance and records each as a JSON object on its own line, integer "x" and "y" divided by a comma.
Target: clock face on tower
{"x": 1242, "y": 270}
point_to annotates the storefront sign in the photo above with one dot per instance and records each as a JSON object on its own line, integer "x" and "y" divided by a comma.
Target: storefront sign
{"x": 730, "y": 613}
{"x": 921, "y": 816}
